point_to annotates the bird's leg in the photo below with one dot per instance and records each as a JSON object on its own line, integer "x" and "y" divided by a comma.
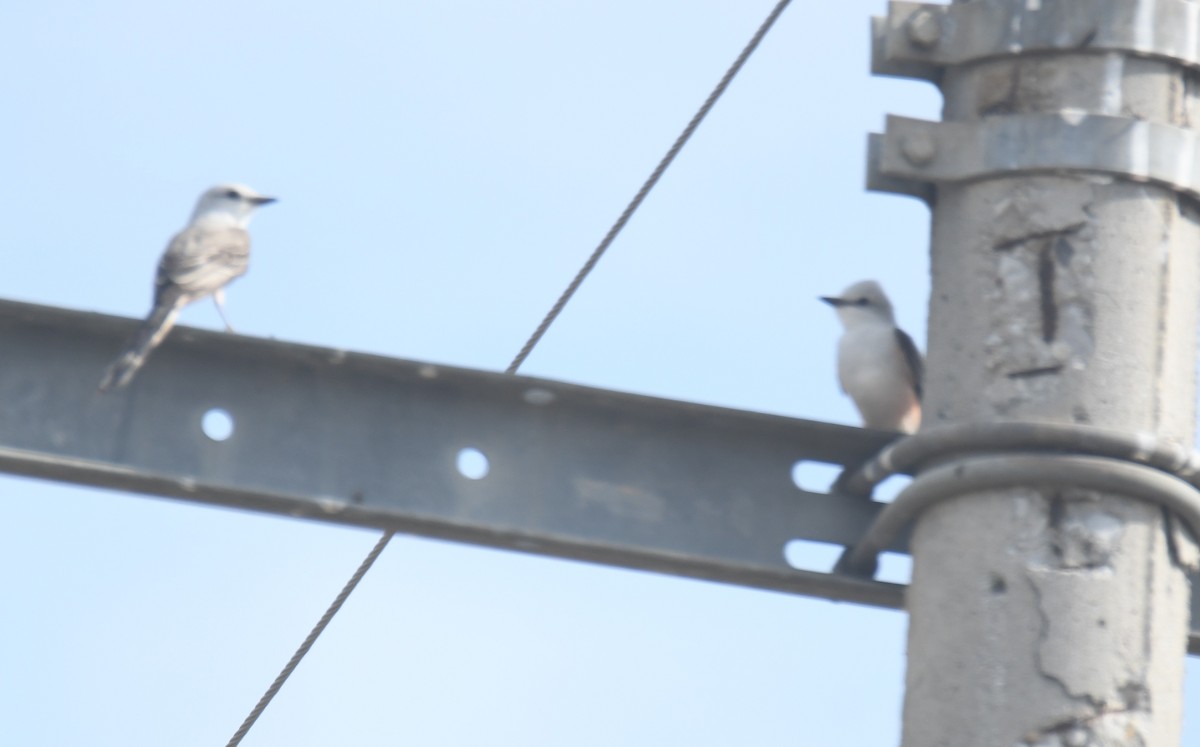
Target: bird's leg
{"x": 219, "y": 300}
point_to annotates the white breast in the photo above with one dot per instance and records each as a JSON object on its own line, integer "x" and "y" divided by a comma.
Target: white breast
{"x": 873, "y": 371}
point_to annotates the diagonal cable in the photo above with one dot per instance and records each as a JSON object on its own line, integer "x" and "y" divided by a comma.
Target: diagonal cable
{"x": 319, "y": 628}
{"x": 636, "y": 202}
{"x": 526, "y": 349}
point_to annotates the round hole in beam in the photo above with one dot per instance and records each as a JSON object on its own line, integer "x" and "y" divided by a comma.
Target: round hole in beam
{"x": 217, "y": 424}
{"x": 472, "y": 463}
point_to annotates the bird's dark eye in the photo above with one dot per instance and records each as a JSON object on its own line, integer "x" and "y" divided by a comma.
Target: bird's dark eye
{"x": 861, "y": 302}
{"x": 231, "y": 194}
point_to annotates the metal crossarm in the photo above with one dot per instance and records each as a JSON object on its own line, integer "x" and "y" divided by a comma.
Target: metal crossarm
{"x": 572, "y": 471}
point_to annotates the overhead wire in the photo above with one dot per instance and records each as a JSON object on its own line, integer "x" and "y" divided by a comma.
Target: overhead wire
{"x": 319, "y": 628}
{"x": 648, "y": 185}
{"x": 525, "y": 350}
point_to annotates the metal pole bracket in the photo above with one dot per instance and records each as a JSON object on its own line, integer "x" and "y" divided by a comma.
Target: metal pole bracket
{"x": 917, "y": 40}
{"x": 1071, "y": 141}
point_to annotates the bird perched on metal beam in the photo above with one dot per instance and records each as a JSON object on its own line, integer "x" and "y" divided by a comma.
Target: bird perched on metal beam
{"x": 878, "y": 364}
{"x": 200, "y": 260}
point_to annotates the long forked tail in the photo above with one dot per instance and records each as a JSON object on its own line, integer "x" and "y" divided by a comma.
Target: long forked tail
{"x": 146, "y": 338}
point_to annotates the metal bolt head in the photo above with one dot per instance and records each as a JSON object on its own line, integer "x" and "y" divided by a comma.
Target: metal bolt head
{"x": 918, "y": 148}
{"x": 924, "y": 29}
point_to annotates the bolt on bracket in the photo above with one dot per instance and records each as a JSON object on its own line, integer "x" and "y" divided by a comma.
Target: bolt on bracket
{"x": 877, "y": 181}
{"x": 1072, "y": 141}
{"x": 917, "y": 40}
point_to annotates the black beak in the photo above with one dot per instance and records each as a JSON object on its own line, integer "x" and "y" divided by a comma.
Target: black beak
{"x": 834, "y": 301}
{"x": 260, "y": 200}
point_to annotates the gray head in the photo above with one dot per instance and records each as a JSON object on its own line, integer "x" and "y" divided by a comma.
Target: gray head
{"x": 862, "y": 302}
{"x": 229, "y": 203}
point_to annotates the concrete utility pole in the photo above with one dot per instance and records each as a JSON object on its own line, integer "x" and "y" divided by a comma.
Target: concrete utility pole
{"x": 1065, "y": 290}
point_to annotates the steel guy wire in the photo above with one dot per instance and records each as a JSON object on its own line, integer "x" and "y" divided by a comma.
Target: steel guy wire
{"x": 319, "y": 628}
{"x": 636, "y": 202}
{"x": 526, "y": 349}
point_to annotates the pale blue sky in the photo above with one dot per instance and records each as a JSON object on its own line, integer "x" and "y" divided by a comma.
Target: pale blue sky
{"x": 443, "y": 170}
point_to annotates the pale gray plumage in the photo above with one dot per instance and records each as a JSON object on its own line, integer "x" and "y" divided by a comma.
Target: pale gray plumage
{"x": 879, "y": 366}
{"x": 212, "y": 250}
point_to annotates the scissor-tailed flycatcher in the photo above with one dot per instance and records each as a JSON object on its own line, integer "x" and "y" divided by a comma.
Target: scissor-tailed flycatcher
{"x": 878, "y": 364}
{"x": 212, "y": 250}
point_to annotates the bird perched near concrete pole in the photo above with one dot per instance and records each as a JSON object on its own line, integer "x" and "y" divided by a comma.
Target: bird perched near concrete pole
{"x": 878, "y": 364}
{"x": 1050, "y": 614}
{"x": 210, "y": 252}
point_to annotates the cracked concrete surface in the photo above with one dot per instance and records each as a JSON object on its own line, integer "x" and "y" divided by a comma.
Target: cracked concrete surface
{"x": 1040, "y": 617}
{"x": 1084, "y": 600}
{"x": 1058, "y": 582}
